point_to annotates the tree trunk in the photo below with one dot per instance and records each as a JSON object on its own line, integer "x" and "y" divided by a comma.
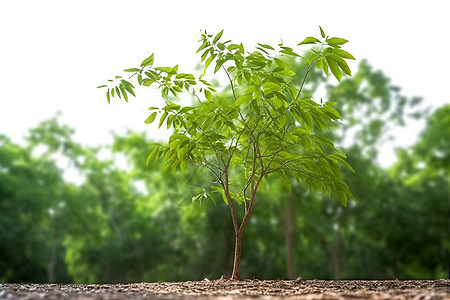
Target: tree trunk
{"x": 237, "y": 256}
{"x": 239, "y": 230}
{"x": 227, "y": 264}
{"x": 336, "y": 255}
{"x": 289, "y": 237}
{"x": 51, "y": 267}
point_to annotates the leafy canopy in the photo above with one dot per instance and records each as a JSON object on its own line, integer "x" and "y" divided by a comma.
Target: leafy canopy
{"x": 264, "y": 126}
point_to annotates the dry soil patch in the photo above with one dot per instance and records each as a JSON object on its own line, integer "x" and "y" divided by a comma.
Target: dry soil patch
{"x": 227, "y": 289}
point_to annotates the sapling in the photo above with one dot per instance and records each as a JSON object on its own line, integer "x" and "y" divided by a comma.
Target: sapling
{"x": 265, "y": 127}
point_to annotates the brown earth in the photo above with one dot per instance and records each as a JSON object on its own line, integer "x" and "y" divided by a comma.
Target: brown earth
{"x": 227, "y": 289}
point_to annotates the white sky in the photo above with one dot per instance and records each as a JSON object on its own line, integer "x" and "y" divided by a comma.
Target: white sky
{"x": 53, "y": 54}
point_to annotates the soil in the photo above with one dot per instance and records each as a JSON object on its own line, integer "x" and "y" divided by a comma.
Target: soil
{"x": 228, "y": 289}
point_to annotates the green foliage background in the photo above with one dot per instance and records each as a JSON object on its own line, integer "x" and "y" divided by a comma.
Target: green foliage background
{"x": 138, "y": 223}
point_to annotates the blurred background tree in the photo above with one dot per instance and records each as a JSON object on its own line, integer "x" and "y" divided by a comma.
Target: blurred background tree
{"x": 73, "y": 213}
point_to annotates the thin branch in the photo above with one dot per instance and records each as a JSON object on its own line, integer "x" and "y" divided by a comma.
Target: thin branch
{"x": 277, "y": 151}
{"x": 231, "y": 82}
{"x": 298, "y": 170}
{"x": 195, "y": 95}
{"x": 230, "y": 203}
{"x": 307, "y": 71}
{"x": 211, "y": 167}
{"x": 234, "y": 96}
{"x": 282, "y": 138}
{"x": 303, "y": 82}
{"x": 250, "y": 208}
{"x": 212, "y": 145}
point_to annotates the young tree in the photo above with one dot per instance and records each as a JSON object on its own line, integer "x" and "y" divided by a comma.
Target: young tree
{"x": 268, "y": 126}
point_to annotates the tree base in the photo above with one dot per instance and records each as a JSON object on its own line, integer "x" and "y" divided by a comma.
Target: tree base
{"x": 226, "y": 278}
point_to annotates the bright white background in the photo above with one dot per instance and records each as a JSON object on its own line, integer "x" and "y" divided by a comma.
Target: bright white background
{"x": 53, "y": 54}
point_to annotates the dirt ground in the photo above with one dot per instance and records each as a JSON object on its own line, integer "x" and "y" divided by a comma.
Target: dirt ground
{"x": 227, "y": 289}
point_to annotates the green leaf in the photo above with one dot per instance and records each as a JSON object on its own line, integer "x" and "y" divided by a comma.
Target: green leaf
{"x": 334, "y": 68}
{"x": 269, "y": 87}
{"x": 224, "y": 197}
{"x": 280, "y": 95}
{"x": 196, "y": 198}
{"x": 163, "y": 117}
{"x": 335, "y": 41}
{"x": 208, "y": 61}
{"x": 322, "y": 33}
{"x": 342, "y": 197}
{"x": 325, "y": 67}
{"x": 277, "y": 103}
{"x": 186, "y": 109}
{"x": 251, "y": 89}
{"x": 300, "y": 131}
{"x": 180, "y": 75}
{"x": 124, "y": 93}
{"x": 342, "y": 53}
{"x": 148, "y": 61}
{"x": 286, "y": 72}
{"x": 266, "y": 46}
{"x": 241, "y": 48}
{"x": 185, "y": 76}
{"x": 176, "y": 89}
{"x": 290, "y": 52}
{"x": 181, "y": 153}
{"x": 306, "y": 142}
{"x": 309, "y": 40}
{"x": 341, "y": 63}
{"x": 331, "y": 111}
{"x": 151, "y": 118}
{"x": 319, "y": 64}
{"x": 216, "y": 188}
{"x": 174, "y": 165}
{"x": 151, "y": 156}
{"x": 175, "y": 144}
{"x": 335, "y": 57}
{"x": 183, "y": 164}
{"x": 173, "y": 106}
{"x": 311, "y": 58}
{"x": 128, "y": 87}
{"x": 307, "y": 120}
{"x": 326, "y": 141}
{"x": 169, "y": 121}
{"x": 153, "y": 75}
{"x": 167, "y": 70}
{"x": 132, "y": 70}
{"x": 342, "y": 161}
{"x": 280, "y": 62}
{"x": 233, "y": 47}
{"x": 147, "y": 82}
{"x": 205, "y": 54}
{"x": 203, "y": 46}
{"x": 243, "y": 99}
{"x": 108, "y": 97}
{"x": 102, "y": 86}
{"x": 293, "y": 92}
{"x": 217, "y": 37}
{"x": 208, "y": 95}
{"x": 219, "y": 63}
{"x": 345, "y": 68}
{"x": 262, "y": 50}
